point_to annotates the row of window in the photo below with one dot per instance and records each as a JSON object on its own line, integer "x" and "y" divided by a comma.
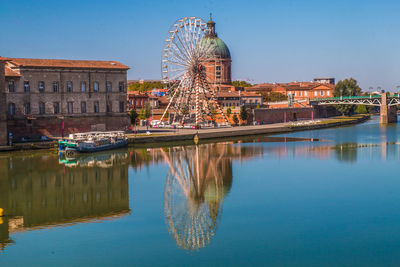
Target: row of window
{"x": 230, "y": 105}
{"x": 70, "y": 108}
{"x": 55, "y": 86}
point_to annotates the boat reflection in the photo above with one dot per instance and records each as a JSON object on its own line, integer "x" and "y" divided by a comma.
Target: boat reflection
{"x": 37, "y": 192}
{"x": 199, "y": 179}
{"x": 100, "y": 159}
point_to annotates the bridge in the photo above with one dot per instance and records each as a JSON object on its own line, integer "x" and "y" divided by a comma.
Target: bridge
{"x": 387, "y": 103}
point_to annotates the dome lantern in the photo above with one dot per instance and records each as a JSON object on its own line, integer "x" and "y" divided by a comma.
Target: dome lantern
{"x": 210, "y": 32}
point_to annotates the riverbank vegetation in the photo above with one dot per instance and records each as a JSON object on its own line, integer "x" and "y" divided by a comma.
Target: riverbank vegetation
{"x": 347, "y": 87}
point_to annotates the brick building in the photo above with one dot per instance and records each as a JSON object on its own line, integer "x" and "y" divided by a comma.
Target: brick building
{"x": 40, "y": 94}
{"x": 300, "y": 90}
{"x": 236, "y": 99}
{"x": 3, "y": 105}
{"x": 218, "y": 61}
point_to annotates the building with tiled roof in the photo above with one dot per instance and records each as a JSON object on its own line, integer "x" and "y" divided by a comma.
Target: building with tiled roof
{"x": 66, "y": 63}
{"x": 41, "y": 94}
{"x": 300, "y": 90}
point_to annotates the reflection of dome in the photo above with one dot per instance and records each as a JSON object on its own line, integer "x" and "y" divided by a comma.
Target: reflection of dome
{"x": 219, "y": 48}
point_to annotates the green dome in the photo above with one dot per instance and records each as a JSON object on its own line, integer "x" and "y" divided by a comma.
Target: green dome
{"x": 219, "y": 48}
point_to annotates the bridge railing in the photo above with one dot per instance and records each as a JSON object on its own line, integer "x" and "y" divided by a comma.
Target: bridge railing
{"x": 346, "y": 98}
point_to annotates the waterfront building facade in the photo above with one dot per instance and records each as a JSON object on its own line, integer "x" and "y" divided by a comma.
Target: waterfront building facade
{"x": 3, "y": 105}
{"x": 42, "y": 94}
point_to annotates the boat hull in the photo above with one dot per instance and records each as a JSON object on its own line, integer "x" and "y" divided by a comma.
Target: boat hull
{"x": 117, "y": 144}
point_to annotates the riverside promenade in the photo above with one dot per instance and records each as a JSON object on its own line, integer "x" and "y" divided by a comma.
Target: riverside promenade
{"x": 166, "y": 135}
{"x": 163, "y": 135}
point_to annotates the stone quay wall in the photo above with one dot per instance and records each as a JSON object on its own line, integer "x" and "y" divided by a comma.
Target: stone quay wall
{"x": 267, "y": 115}
{"x": 52, "y": 127}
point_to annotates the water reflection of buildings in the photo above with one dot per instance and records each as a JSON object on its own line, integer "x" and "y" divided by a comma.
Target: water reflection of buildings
{"x": 322, "y": 149}
{"x": 38, "y": 192}
{"x": 199, "y": 179}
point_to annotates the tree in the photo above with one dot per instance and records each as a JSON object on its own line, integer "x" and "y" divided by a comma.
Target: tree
{"x": 361, "y": 109}
{"x": 145, "y": 112}
{"x": 142, "y": 114}
{"x": 166, "y": 116}
{"x": 133, "y": 114}
{"x": 241, "y": 84}
{"x": 347, "y": 87}
{"x": 185, "y": 110}
{"x": 273, "y": 97}
{"x": 235, "y": 119}
{"x": 243, "y": 113}
{"x": 228, "y": 112}
{"x": 145, "y": 86}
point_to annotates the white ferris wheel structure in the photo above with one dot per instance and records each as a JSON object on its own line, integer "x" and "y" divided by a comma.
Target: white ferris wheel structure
{"x": 191, "y": 98}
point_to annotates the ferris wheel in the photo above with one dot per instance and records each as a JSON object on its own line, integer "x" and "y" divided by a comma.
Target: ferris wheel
{"x": 179, "y": 47}
{"x": 191, "y": 100}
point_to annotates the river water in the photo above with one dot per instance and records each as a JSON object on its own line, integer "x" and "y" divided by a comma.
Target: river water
{"x": 324, "y": 197}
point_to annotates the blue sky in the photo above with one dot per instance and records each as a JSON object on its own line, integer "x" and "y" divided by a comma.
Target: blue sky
{"x": 270, "y": 41}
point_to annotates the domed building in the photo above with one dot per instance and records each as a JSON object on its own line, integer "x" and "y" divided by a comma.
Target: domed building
{"x": 218, "y": 60}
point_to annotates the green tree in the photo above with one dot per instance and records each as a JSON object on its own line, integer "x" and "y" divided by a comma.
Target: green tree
{"x": 235, "y": 119}
{"x": 133, "y": 115}
{"x": 361, "y": 109}
{"x": 145, "y": 86}
{"x": 185, "y": 110}
{"x": 347, "y": 87}
{"x": 243, "y": 113}
{"x": 228, "y": 112}
{"x": 273, "y": 97}
{"x": 166, "y": 115}
{"x": 241, "y": 84}
{"x": 145, "y": 112}
{"x": 142, "y": 114}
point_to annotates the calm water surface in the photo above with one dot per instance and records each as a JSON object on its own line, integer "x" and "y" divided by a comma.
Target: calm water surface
{"x": 327, "y": 197}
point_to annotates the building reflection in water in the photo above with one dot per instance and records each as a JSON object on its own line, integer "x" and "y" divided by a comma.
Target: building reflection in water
{"x": 38, "y": 192}
{"x": 199, "y": 179}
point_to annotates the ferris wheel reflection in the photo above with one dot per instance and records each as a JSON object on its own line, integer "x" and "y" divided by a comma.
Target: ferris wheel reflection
{"x": 198, "y": 180}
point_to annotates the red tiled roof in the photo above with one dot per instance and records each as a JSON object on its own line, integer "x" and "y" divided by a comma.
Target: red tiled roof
{"x": 4, "y": 58}
{"x": 288, "y": 86}
{"x": 227, "y": 94}
{"x": 64, "y": 63}
{"x": 250, "y": 94}
{"x": 11, "y": 73}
